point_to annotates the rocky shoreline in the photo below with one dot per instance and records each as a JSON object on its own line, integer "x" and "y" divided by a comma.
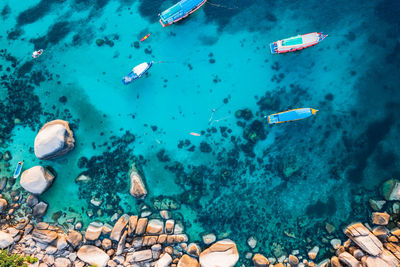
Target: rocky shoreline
{"x": 140, "y": 241}
{"x": 159, "y": 240}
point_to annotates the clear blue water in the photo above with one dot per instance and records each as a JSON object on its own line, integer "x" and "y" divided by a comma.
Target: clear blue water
{"x": 281, "y": 186}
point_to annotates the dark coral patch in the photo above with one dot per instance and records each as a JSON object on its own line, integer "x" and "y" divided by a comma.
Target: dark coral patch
{"x": 56, "y": 33}
{"x": 36, "y": 12}
{"x": 321, "y": 208}
{"x": 150, "y": 8}
{"x": 25, "y": 68}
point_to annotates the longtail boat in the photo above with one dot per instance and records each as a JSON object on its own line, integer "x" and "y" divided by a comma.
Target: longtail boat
{"x": 18, "y": 169}
{"x": 137, "y": 72}
{"x": 291, "y": 115}
{"x": 296, "y": 43}
{"x": 180, "y": 11}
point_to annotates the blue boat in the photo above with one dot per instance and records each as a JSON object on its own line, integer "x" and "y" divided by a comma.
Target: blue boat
{"x": 18, "y": 169}
{"x": 291, "y": 115}
{"x": 137, "y": 72}
{"x": 180, "y": 11}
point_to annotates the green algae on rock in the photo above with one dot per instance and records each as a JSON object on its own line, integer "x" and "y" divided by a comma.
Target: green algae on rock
{"x": 391, "y": 189}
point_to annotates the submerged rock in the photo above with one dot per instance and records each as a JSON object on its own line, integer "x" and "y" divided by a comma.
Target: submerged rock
{"x": 82, "y": 178}
{"x": 36, "y": 180}
{"x": 209, "y": 238}
{"x": 40, "y": 209}
{"x": 223, "y": 253}
{"x": 377, "y": 205}
{"x": 93, "y": 255}
{"x": 3, "y": 183}
{"x": 99, "y": 42}
{"x": 260, "y": 260}
{"x": 137, "y": 188}
{"x": 53, "y": 140}
{"x": 336, "y": 243}
{"x": 391, "y": 189}
{"x": 252, "y": 242}
{"x": 312, "y": 254}
{"x": 32, "y": 200}
{"x": 3, "y": 205}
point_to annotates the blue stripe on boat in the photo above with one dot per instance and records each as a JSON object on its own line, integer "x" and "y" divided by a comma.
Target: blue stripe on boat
{"x": 272, "y": 47}
{"x": 291, "y": 115}
{"x": 179, "y": 10}
{"x": 18, "y": 169}
{"x": 132, "y": 76}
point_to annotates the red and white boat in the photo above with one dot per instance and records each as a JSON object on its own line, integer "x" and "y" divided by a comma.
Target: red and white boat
{"x": 296, "y": 43}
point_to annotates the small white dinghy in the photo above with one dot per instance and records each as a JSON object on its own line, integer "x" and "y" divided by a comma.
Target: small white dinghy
{"x": 137, "y": 72}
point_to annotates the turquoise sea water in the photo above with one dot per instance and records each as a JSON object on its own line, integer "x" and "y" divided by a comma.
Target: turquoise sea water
{"x": 241, "y": 177}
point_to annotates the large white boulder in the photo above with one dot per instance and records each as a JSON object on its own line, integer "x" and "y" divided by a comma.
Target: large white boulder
{"x": 93, "y": 255}
{"x": 348, "y": 260}
{"x": 164, "y": 261}
{"x": 137, "y": 188}
{"x": 119, "y": 227}
{"x": 223, "y": 253}
{"x": 54, "y": 139}
{"x": 360, "y": 235}
{"x": 5, "y": 240}
{"x": 36, "y": 180}
{"x": 93, "y": 231}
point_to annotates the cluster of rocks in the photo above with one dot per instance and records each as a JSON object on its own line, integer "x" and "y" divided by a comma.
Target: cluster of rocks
{"x": 132, "y": 241}
{"x": 140, "y": 241}
{"x": 375, "y": 244}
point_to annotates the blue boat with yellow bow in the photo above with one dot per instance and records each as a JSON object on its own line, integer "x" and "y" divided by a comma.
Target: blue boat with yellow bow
{"x": 291, "y": 115}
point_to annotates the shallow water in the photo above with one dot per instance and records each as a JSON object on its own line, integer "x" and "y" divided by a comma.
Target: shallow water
{"x": 281, "y": 187}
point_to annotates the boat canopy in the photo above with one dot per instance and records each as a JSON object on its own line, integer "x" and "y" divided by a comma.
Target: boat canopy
{"x": 295, "y": 114}
{"x": 172, "y": 10}
{"x": 139, "y": 69}
{"x": 297, "y": 40}
{"x": 179, "y": 10}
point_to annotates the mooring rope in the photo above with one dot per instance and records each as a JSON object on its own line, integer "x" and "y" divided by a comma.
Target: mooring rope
{"x": 222, "y": 6}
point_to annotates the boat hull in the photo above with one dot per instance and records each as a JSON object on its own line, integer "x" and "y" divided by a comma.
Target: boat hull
{"x": 291, "y": 115}
{"x": 175, "y": 17}
{"x": 308, "y": 40}
{"x": 132, "y": 76}
{"x": 18, "y": 169}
